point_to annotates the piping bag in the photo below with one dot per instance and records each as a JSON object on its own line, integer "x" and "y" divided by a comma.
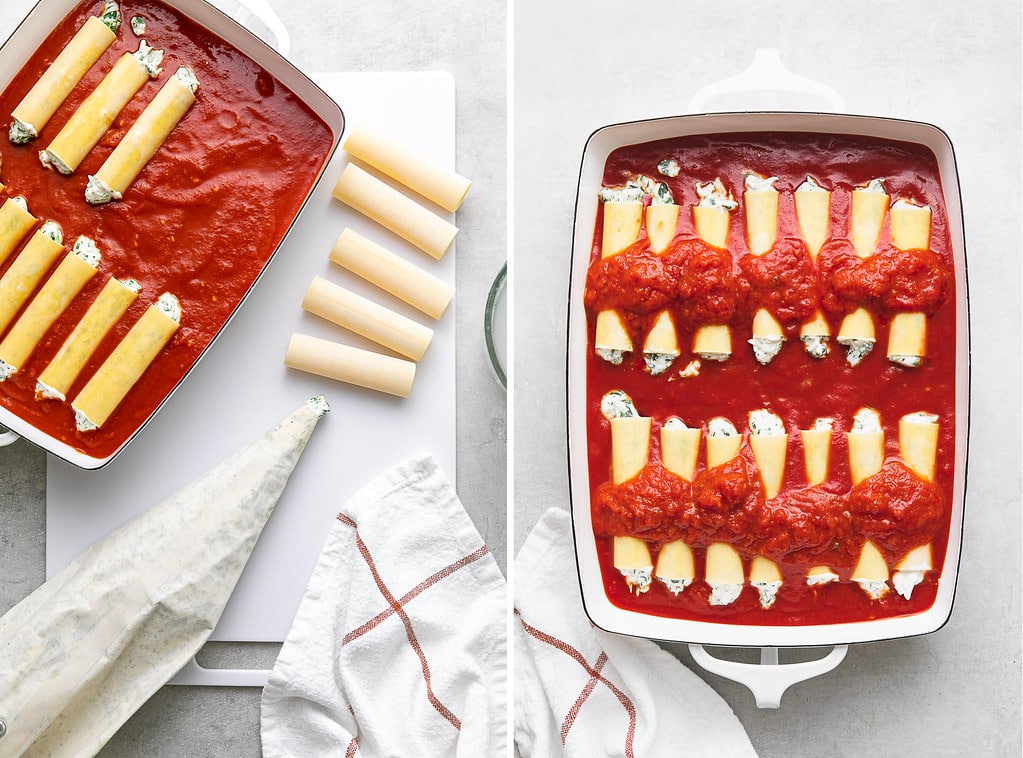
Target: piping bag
{"x": 85, "y": 650}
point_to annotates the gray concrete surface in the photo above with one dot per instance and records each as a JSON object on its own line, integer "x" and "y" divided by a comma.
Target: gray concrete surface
{"x": 468, "y": 40}
{"x": 581, "y": 65}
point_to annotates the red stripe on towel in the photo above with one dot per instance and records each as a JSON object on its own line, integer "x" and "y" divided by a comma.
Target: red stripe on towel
{"x": 595, "y": 676}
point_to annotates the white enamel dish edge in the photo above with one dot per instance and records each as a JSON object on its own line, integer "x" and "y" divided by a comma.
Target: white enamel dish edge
{"x": 600, "y": 610}
{"x": 32, "y": 32}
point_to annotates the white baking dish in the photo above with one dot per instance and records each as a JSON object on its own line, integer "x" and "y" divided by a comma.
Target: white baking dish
{"x": 32, "y": 32}
{"x": 610, "y": 617}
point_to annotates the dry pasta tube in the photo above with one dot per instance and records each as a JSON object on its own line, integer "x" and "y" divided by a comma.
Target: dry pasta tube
{"x": 414, "y": 170}
{"x": 60, "y": 78}
{"x": 126, "y": 363}
{"x": 364, "y": 317}
{"x": 375, "y": 264}
{"x": 343, "y": 363}
{"x": 28, "y": 269}
{"x": 621, "y": 226}
{"x": 97, "y": 112}
{"x": 394, "y": 211}
{"x": 15, "y": 223}
{"x": 676, "y": 567}
{"x": 661, "y": 222}
{"x": 77, "y": 268}
{"x": 143, "y": 139}
{"x": 106, "y": 310}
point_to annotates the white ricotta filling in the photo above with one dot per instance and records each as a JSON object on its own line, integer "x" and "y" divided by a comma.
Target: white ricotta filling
{"x": 669, "y": 167}
{"x": 658, "y": 363}
{"x": 768, "y": 592}
{"x": 763, "y": 422}
{"x": 909, "y": 361}
{"x": 810, "y": 185}
{"x": 85, "y": 249}
{"x": 617, "y": 404}
{"x": 713, "y": 194}
{"x": 46, "y": 391}
{"x": 875, "y": 588}
{"x": 905, "y": 581}
{"x": 21, "y": 132}
{"x": 866, "y": 420}
{"x": 674, "y": 586}
{"x": 50, "y": 160}
{"x": 98, "y": 192}
{"x": 612, "y": 355}
{"x": 823, "y": 578}
{"x": 766, "y": 348}
{"x": 692, "y": 369}
{"x": 757, "y": 183}
{"x": 719, "y": 357}
{"x": 6, "y": 370}
{"x": 856, "y": 349}
{"x": 816, "y": 345}
{"x": 824, "y": 424}
{"x": 637, "y": 579}
{"x": 723, "y": 593}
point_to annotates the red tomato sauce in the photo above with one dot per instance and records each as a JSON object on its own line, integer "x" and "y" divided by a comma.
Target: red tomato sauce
{"x": 201, "y": 221}
{"x": 803, "y": 526}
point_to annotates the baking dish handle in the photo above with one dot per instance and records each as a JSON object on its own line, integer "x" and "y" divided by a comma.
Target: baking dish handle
{"x": 768, "y": 679}
{"x": 7, "y": 437}
{"x": 261, "y": 9}
{"x": 767, "y": 85}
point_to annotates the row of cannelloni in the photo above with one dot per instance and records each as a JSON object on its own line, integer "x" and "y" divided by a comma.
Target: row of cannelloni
{"x": 96, "y": 114}
{"x": 34, "y": 296}
{"x": 823, "y": 533}
{"x": 782, "y": 284}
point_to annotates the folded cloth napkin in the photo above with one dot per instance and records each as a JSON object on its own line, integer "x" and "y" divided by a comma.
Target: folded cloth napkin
{"x": 399, "y": 645}
{"x": 580, "y": 691}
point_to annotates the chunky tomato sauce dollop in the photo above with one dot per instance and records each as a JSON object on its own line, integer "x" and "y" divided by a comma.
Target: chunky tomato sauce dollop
{"x": 803, "y": 526}
{"x": 201, "y": 221}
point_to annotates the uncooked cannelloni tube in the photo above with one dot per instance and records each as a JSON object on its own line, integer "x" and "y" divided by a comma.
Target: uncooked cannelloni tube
{"x": 351, "y": 365}
{"x": 29, "y": 268}
{"x": 60, "y": 78}
{"x": 105, "y": 311}
{"x": 77, "y": 268}
{"x": 394, "y": 211}
{"x": 98, "y": 111}
{"x": 713, "y": 342}
{"x": 417, "y": 172}
{"x": 15, "y": 223}
{"x": 369, "y": 319}
{"x": 126, "y": 364}
{"x": 390, "y": 272}
{"x": 907, "y": 332}
{"x": 143, "y": 139}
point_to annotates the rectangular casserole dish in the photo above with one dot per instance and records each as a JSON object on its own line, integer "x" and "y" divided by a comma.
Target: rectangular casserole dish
{"x": 631, "y": 618}
{"x": 203, "y": 219}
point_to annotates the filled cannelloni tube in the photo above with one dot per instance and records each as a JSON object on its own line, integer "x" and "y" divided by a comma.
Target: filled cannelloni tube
{"x": 15, "y": 223}
{"x": 77, "y": 268}
{"x": 907, "y": 332}
{"x": 143, "y": 139}
{"x": 29, "y": 268}
{"x": 761, "y": 203}
{"x": 352, "y": 365}
{"x": 660, "y": 349}
{"x": 711, "y": 216}
{"x": 623, "y": 220}
{"x": 813, "y": 216}
{"x": 869, "y": 204}
{"x": 680, "y": 449}
{"x": 126, "y": 364}
{"x": 60, "y": 78}
{"x": 866, "y": 456}
{"x": 420, "y": 174}
{"x": 98, "y": 111}
{"x": 765, "y": 577}
{"x": 871, "y": 571}
{"x": 367, "y": 318}
{"x": 817, "y": 450}
{"x": 395, "y": 211}
{"x": 768, "y": 441}
{"x": 630, "y": 445}
{"x": 918, "y": 448}
{"x": 105, "y": 311}
{"x": 724, "y": 572}
{"x": 392, "y": 273}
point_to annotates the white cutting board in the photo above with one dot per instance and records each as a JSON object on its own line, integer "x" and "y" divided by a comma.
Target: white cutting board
{"x": 241, "y": 387}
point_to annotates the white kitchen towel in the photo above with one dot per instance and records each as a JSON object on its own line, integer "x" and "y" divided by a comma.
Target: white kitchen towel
{"x": 399, "y": 645}
{"x": 582, "y": 692}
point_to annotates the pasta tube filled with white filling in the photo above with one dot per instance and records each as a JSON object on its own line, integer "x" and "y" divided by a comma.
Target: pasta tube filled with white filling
{"x": 106, "y": 310}
{"x": 392, "y": 273}
{"x": 713, "y": 342}
{"x": 869, "y": 204}
{"x": 660, "y": 348}
{"x": 630, "y": 446}
{"x": 623, "y": 220}
{"x": 77, "y": 268}
{"x": 871, "y": 571}
{"x": 680, "y": 449}
{"x": 90, "y": 42}
{"x": 29, "y": 268}
{"x": 918, "y": 447}
{"x": 15, "y": 223}
{"x": 768, "y": 441}
{"x": 907, "y": 333}
{"x": 143, "y": 139}
{"x": 395, "y": 211}
{"x": 724, "y": 572}
{"x": 815, "y": 335}
{"x": 866, "y": 445}
{"x": 813, "y": 215}
{"x": 817, "y": 450}
{"x": 765, "y": 576}
{"x": 126, "y": 363}
{"x": 98, "y": 111}
{"x": 761, "y": 202}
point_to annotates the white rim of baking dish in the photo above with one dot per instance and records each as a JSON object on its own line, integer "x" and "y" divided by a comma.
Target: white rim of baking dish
{"x": 598, "y": 608}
